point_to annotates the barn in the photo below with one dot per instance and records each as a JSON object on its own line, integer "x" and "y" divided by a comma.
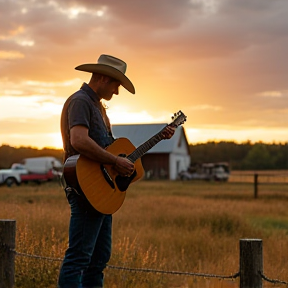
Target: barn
{"x": 167, "y": 158}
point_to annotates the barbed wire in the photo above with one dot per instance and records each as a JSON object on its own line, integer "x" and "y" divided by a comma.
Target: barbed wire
{"x": 37, "y": 256}
{"x": 274, "y": 281}
{"x": 145, "y": 270}
{"x": 156, "y": 271}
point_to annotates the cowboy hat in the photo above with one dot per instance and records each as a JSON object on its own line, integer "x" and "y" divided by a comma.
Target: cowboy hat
{"x": 112, "y": 67}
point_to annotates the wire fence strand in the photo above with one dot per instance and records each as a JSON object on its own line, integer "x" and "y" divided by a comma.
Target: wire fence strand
{"x": 144, "y": 270}
{"x": 274, "y": 281}
{"x": 175, "y": 272}
{"x": 157, "y": 271}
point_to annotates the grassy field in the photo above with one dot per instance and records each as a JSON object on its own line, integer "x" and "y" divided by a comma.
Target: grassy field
{"x": 266, "y": 176}
{"x": 172, "y": 226}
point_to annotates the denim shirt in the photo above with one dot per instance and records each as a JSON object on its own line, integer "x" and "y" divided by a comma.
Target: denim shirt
{"x": 84, "y": 108}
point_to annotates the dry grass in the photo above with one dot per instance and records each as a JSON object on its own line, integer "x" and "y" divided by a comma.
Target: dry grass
{"x": 172, "y": 226}
{"x": 269, "y": 176}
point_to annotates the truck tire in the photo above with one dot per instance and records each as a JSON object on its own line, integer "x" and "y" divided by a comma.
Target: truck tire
{"x": 10, "y": 181}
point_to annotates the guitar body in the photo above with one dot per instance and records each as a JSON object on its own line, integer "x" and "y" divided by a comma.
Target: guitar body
{"x": 101, "y": 184}
{"x": 104, "y": 188}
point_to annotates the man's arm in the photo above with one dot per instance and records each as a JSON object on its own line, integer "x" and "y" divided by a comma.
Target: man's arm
{"x": 81, "y": 141}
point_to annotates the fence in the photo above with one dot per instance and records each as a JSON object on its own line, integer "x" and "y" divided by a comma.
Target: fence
{"x": 259, "y": 178}
{"x": 250, "y": 271}
{"x": 280, "y": 176}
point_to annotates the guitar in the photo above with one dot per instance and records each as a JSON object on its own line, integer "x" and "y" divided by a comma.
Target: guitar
{"x": 104, "y": 188}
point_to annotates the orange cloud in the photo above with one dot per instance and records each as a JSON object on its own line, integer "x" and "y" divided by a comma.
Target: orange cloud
{"x": 197, "y": 56}
{"x": 10, "y": 55}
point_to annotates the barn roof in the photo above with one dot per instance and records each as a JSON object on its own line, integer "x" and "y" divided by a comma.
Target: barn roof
{"x": 140, "y": 133}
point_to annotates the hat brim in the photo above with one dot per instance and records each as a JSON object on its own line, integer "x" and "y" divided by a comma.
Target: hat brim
{"x": 109, "y": 71}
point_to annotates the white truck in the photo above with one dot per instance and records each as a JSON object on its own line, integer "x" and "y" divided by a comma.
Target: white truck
{"x": 207, "y": 171}
{"x": 36, "y": 169}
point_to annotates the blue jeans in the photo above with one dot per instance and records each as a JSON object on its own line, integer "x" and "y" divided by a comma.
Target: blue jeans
{"x": 89, "y": 245}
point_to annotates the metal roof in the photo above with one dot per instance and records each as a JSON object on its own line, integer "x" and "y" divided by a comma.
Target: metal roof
{"x": 140, "y": 133}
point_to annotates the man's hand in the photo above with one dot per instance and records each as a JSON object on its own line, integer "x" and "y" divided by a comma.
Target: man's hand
{"x": 168, "y": 132}
{"x": 124, "y": 166}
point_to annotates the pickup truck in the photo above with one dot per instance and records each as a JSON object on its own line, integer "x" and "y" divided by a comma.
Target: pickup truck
{"x": 13, "y": 175}
{"x": 207, "y": 171}
{"x": 38, "y": 169}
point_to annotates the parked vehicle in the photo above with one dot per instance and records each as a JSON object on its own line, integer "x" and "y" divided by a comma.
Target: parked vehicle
{"x": 13, "y": 175}
{"x": 41, "y": 165}
{"x": 36, "y": 169}
{"x": 207, "y": 171}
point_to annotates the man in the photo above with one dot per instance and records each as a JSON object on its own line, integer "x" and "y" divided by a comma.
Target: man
{"x": 86, "y": 130}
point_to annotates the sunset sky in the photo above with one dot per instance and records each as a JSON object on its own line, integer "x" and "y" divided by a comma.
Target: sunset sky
{"x": 223, "y": 63}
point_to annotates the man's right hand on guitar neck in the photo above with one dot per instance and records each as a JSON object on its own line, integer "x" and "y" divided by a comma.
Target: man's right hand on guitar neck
{"x": 124, "y": 166}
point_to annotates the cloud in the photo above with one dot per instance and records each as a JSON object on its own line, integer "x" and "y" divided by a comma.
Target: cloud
{"x": 181, "y": 25}
{"x": 6, "y": 55}
{"x": 274, "y": 94}
{"x": 32, "y": 88}
{"x": 206, "y": 107}
{"x": 36, "y": 107}
{"x": 179, "y": 30}
{"x": 221, "y": 60}
{"x": 130, "y": 117}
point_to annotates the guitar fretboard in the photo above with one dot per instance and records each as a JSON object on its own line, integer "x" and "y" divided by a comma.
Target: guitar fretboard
{"x": 179, "y": 118}
{"x": 143, "y": 148}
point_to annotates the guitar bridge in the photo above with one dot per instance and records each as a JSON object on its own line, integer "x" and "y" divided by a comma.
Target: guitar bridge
{"x": 107, "y": 176}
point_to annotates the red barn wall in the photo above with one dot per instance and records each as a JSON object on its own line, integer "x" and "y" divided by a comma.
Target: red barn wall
{"x": 156, "y": 165}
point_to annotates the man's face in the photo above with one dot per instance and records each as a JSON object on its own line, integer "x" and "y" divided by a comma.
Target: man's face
{"x": 108, "y": 88}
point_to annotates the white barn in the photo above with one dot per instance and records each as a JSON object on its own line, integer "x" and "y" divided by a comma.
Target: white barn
{"x": 167, "y": 158}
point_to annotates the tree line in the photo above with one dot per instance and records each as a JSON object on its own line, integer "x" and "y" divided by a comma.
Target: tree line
{"x": 10, "y": 155}
{"x": 244, "y": 156}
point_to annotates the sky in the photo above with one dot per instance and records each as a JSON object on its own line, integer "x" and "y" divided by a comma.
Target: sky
{"x": 222, "y": 62}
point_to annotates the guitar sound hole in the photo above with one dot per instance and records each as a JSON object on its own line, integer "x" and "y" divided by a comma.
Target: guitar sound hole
{"x": 123, "y": 182}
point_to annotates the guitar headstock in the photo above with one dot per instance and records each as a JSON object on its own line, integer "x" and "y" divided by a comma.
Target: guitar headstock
{"x": 178, "y": 119}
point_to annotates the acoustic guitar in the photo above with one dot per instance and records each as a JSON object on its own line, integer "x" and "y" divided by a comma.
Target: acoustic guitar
{"x": 104, "y": 188}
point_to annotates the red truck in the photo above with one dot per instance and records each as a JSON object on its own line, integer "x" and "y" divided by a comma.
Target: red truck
{"x": 37, "y": 169}
{"x": 37, "y": 177}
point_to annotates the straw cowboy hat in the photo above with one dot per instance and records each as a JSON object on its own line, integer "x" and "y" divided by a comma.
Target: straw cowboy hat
{"x": 112, "y": 67}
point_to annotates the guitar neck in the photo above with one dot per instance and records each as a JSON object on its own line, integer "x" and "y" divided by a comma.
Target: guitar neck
{"x": 178, "y": 119}
{"x": 146, "y": 146}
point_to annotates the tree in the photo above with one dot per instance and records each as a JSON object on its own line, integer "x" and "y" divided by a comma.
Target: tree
{"x": 10, "y": 155}
{"x": 258, "y": 157}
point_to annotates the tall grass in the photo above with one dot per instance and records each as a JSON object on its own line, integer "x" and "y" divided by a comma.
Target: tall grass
{"x": 171, "y": 226}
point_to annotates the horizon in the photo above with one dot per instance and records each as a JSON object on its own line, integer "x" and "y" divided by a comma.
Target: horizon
{"x": 196, "y": 143}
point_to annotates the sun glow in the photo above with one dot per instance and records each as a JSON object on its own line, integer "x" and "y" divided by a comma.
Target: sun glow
{"x": 56, "y": 140}
{"x": 40, "y": 140}
{"x": 10, "y": 55}
{"x": 202, "y": 135}
{"x": 37, "y": 107}
{"x": 122, "y": 115}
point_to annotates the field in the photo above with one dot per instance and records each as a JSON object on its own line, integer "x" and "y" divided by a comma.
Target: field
{"x": 171, "y": 226}
{"x": 275, "y": 176}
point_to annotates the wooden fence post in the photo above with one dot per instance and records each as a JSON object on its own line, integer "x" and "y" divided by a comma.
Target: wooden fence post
{"x": 251, "y": 263}
{"x": 7, "y": 253}
{"x": 255, "y": 185}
